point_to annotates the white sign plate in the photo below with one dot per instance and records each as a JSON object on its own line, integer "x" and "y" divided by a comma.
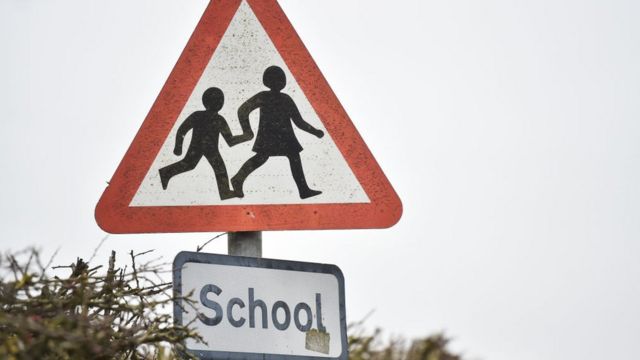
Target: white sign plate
{"x": 248, "y": 308}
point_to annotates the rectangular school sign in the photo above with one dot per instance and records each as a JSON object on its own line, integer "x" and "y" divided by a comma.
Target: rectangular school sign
{"x": 248, "y": 308}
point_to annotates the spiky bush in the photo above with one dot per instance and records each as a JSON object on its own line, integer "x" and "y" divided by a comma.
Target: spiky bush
{"x": 90, "y": 313}
{"x": 371, "y": 346}
{"x": 123, "y": 313}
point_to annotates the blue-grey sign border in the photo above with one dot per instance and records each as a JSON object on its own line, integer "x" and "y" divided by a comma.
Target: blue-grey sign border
{"x": 203, "y": 258}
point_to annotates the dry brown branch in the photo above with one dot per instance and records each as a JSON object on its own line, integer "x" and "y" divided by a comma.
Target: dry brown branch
{"x": 200, "y": 247}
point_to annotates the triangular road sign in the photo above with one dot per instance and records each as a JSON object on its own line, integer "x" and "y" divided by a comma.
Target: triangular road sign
{"x": 246, "y": 135}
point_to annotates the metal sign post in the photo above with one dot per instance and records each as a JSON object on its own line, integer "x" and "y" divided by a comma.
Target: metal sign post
{"x": 246, "y": 243}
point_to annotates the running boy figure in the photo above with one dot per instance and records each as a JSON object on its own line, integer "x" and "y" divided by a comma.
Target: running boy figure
{"x": 207, "y": 127}
{"x": 275, "y": 132}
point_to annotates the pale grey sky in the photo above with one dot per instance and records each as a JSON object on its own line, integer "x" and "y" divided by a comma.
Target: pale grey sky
{"x": 510, "y": 129}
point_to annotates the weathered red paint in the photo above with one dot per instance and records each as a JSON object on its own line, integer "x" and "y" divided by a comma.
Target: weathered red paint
{"x": 113, "y": 213}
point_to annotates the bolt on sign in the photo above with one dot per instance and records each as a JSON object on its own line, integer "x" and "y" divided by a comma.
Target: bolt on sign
{"x": 245, "y": 135}
{"x": 250, "y": 308}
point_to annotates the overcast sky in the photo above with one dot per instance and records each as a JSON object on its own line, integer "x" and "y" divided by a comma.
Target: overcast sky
{"x": 510, "y": 130}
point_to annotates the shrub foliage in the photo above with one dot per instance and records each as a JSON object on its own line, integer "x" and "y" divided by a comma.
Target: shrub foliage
{"x": 88, "y": 314}
{"x": 363, "y": 346}
{"x": 124, "y": 313}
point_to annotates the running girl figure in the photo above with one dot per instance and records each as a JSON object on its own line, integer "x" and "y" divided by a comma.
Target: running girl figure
{"x": 275, "y": 132}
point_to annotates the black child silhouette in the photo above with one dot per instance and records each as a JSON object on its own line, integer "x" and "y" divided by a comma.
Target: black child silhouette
{"x": 275, "y": 133}
{"x": 207, "y": 127}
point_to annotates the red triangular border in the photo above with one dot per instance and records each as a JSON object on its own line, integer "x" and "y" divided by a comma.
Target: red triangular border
{"x": 113, "y": 213}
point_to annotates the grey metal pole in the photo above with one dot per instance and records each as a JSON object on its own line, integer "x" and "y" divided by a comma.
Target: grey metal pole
{"x": 245, "y": 243}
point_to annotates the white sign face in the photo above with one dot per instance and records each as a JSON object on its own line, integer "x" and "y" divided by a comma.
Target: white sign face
{"x": 237, "y": 68}
{"x": 248, "y": 308}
